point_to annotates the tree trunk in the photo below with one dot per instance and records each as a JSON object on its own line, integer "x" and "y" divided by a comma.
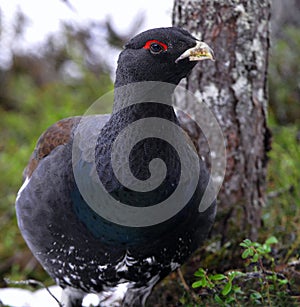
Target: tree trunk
{"x": 235, "y": 89}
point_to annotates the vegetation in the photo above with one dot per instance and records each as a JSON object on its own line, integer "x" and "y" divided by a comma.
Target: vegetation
{"x": 267, "y": 274}
{"x": 255, "y": 286}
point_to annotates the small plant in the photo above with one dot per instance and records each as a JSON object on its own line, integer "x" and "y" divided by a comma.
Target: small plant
{"x": 254, "y": 252}
{"x": 218, "y": 283}
{"x": 258, "y": 284}
{"x": 270, "y": 282}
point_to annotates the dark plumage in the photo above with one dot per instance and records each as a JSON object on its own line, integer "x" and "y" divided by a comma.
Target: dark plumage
{"x": 82, "y": 251}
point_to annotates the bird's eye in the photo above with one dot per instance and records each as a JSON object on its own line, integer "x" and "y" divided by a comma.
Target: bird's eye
{"x": 155, "y": 46}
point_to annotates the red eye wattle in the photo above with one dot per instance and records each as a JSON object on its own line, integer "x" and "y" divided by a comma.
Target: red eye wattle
{"x": 155, "y": 46}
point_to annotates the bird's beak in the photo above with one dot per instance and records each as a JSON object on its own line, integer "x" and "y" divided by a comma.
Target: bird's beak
{"x": 198, "y": 53}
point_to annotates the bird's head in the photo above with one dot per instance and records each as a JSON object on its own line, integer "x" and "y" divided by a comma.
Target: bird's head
{"x": 162, "y": 54}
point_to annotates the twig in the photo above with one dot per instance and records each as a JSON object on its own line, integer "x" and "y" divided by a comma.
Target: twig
{"x": 32, "y": 282}
{"x": 186, "y": 287}
{"x": 259, "y": 274}
{"x": 71, "y": 7}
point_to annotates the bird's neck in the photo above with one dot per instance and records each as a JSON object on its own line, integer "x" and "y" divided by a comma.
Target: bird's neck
{"x": 135, "y": 93}
{"x": 141, "y": 100}
{"x": 133, "y": 113}
{"x": 136, "y": 112}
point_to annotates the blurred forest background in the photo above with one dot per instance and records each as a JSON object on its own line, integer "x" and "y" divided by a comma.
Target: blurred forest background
{"x": 67, "y": 74}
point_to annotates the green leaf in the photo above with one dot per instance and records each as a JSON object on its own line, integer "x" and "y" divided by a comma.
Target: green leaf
{"x": 227, "y": 288}
{"x": 246, "y": 243}
{"x": 218, "y": 299}
{"x": 266, "y": 248}
{"x": 237, "y": 289}
{"x": 283, "y": 281}
{"x": 182, "y": 300}
{"x": 230, "y": 299}
{"x": 261, "y": 250}
{"x": 256, "y": 244}
{"x": 247, "y": 252}
{"x": 271, "y": 240}
{"x": 218, "y": 277}
{"x": 255, "y": 258}
{"x": 200, "y": 273}
{"x": 255, "y": 295}
{"x": 233, "y": 274}
{"x": 199, "y": 283}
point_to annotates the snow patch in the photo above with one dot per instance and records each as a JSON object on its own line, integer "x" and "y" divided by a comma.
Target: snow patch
{"x": 17, "y": 297}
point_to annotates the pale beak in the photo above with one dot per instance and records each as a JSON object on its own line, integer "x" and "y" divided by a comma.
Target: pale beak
{"x": 198, "y": 53}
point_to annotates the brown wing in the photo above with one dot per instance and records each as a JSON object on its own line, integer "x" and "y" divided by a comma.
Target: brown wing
{"x": 58, "y": 134}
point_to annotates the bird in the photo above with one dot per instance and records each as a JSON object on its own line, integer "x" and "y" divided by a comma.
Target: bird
{"x": 81, "y": 248}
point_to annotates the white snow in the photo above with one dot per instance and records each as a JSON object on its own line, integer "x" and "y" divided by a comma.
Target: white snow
{"x": 16, "y": 297}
